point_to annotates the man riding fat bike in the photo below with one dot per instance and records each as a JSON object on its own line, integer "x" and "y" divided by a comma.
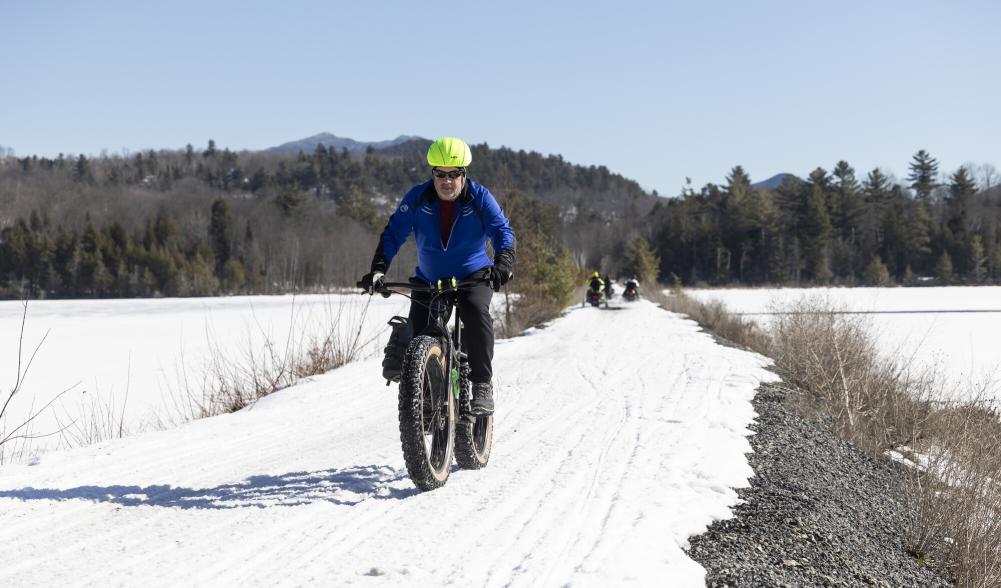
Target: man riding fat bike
{"x": 451, "y": 216}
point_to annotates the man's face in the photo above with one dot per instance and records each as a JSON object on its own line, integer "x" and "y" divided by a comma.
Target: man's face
{"x": 448, "y": 181}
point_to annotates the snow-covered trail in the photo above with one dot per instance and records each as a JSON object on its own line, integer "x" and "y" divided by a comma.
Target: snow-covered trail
{"x": 619, "y": 434}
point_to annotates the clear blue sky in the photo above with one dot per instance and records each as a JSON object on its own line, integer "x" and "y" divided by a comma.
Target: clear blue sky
{"x": 657, "y": 91}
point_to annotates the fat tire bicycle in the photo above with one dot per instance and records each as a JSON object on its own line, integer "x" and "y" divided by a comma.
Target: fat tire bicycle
{"x": 436, "y": 420}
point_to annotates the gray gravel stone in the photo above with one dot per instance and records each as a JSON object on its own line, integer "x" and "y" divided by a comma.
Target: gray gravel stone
{"x": 818, "y": 512}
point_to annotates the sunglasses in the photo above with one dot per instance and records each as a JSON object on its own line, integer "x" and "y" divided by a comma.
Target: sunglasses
{"x": 452, "y": 175}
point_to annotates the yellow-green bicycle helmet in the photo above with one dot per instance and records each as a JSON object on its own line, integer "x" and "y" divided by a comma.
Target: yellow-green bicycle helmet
{"x": 449, "y": 152}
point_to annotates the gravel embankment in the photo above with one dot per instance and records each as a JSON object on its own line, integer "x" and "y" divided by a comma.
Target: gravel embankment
{"x": 818, "y": 512}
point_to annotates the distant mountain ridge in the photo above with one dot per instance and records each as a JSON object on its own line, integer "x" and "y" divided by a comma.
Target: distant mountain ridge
{"x": 329, "y": 140}
{"x": 772, "y": 182}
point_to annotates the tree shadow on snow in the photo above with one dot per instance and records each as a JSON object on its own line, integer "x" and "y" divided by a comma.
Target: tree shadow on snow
{"x": 346, "y": 486}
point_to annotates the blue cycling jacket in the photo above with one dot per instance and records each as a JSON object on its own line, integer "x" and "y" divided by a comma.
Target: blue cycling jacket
{"x": 478, "y": 217}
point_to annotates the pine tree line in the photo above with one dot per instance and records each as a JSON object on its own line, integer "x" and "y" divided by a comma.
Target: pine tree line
{"x": 213, "y": 221}
{"x": 833, "y": 228}
{"x": 40, "y": 259}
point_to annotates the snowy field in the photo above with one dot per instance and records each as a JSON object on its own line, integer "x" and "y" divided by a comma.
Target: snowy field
{"x": 139, "y": 359}
{"x": 619, "y": 434}
{"x": 956, "y": 330}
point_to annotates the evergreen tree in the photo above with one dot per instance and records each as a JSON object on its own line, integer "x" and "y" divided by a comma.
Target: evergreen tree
{"x": 46, "y": 278}
{"x": 234, "y": 276}
{"x": 876, "y": 189}
{"x": 35, "y": 222}
{"x": 908, "y": 277}
{"x": 356, "y": 205}
{"x": 736, "y": 224}
{"x": 924, "y": 174}
{"x": 202, "y": 279}
{"x": 815, "y": 227}
{"x": 875, "y": 197}
{"x": 165, "y": 228}
{"x": 65, "y": 260}
{"x": 849, "y": 208}
{"x": 876, "y": 273}
{"x": 14, "y": 255}
{"x": 962, "y": 189}
{"x": 140, "y": 164}
{"x": 92, "y": 274}
{"x": 219, "y": 234}
{"x": 546, "y": 275}
{"x": 643, "y": 262}
{"x": 291, "y": 200}
{"x": 995, "y": 262}
{"x": 82, "y": 171}
{"x": 943, "y": 268}
{"x": 918, "y": 227}
{"x": 978, "y": 260}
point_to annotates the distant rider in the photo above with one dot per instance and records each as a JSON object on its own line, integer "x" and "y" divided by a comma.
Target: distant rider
{"x": 633, "y": 286}
{"x": 609, "y": 291}
{"x": 595, "y": 284}
{"x": 451, "y": 216}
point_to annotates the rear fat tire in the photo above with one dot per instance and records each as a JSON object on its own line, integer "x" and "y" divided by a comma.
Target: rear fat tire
{"x": 425, "y": 377}
{"x": 474, "y": 435}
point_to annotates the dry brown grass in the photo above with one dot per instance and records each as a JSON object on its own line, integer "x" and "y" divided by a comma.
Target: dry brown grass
{"x": 522, "y": 311}
{"x": 713, "y": 316}
{"x": 231, "y": 383}
{"x": 875, "y": 403}
{"x": 957, "y": 493}
{"x": 880, "y": 405}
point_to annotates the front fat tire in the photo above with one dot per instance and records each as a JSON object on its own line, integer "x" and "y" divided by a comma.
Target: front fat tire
{"x": 474, "y": 436}
{"x": 428, "y": 457}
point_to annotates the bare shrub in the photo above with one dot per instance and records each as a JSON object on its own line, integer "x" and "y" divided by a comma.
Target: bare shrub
{"x": 712, "y": 315}
{"x": 874, "y": 402}
{"x": 957, "y": 493}
{"x": 15, "y": 442}
{"x": 98, "y": 418}
{"x": 229, "y": 384}
{"x": 523, "y": 311}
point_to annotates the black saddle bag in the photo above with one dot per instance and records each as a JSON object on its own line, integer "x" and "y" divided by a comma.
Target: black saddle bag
{"x": 392, "y": 363}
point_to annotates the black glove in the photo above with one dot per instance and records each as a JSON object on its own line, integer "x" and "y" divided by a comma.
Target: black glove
{"x": 372, "y": 281}
{"x": 503, "y": 269}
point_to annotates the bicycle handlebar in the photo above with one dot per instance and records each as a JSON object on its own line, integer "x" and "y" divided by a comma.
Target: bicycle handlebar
{"x": 444, "y": 286}
{"x": 441, "y": 286}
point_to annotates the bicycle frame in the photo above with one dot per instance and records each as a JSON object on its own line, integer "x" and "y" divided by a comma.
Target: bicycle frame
{"x": 440, "y": 293}
{"x": 436, "y": 422}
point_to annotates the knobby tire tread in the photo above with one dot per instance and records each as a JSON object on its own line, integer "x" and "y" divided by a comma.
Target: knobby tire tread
{"x": 411, "y": 410}
{"x": 466, "y": 454}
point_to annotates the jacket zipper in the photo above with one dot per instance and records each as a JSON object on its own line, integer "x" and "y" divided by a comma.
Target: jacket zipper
{"x": 458, "y": 213}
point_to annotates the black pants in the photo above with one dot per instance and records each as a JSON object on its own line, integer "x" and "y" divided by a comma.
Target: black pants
{"x": 477, "y": 325}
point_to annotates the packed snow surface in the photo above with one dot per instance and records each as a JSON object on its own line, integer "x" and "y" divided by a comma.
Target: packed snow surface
{"x": 619, "y": 433}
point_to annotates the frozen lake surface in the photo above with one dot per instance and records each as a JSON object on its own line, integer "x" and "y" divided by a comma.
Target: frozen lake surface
{"x": 140, "y": 359}
{"x": 954, "y": 329}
